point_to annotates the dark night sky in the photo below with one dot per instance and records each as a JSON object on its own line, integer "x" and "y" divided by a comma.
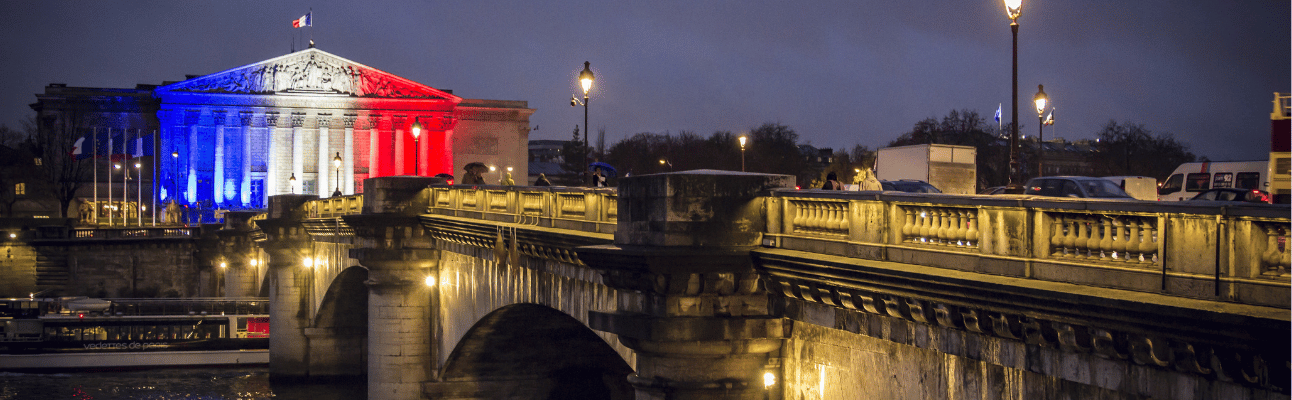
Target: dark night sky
{"x": 838, "y": 72}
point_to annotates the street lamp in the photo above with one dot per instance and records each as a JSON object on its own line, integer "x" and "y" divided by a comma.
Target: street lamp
{"x": 292, "y": 182}
{"x": 1040, "y": 99}
{"x": 585, "y": 79}
{"x": 1013, "y": 8}
{"x": 174, "y": 176}
{"x": 665, "y": 162}
{"x": 743, "y": 139}
{"x": 417, "y": 148}
{"x": 336, "y": 162}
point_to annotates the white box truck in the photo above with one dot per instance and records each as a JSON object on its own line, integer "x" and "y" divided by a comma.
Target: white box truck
{"x": 951, "y": 169}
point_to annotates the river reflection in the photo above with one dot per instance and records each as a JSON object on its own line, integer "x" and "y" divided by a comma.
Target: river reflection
{"x": 171, "y": 383}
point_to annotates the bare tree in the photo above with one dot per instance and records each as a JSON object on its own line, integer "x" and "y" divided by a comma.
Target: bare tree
{"x": 53, "y": 143}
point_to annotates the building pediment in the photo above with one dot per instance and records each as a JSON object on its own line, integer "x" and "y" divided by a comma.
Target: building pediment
{"x": 310, "y": 71}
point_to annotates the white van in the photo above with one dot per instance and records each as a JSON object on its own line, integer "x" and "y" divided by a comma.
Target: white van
{"x": 1190, "y": 178}
{"x": 1139, "y": 187}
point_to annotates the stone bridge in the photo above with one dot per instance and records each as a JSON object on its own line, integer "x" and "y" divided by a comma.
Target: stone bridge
{"x": 710, "y": 284}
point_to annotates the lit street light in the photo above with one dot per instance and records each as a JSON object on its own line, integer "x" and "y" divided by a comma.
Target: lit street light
{"x": 1013, "y": 8}
{"x": 417, "y": 148}
{"x": 743, "y": 139}
{"x": 585, "y": 80}
{"x": 1040, "y": 99}
{"x": 292, "y": 182}
{"x": 666, "y": 163}
{"x": 336, "y": 162}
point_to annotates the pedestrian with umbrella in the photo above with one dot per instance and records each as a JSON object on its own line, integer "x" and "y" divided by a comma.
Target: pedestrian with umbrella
{"x": 475, "y": 173}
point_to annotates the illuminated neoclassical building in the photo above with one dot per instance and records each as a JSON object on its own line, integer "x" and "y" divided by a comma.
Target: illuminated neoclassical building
{"x": 231, "y": 139}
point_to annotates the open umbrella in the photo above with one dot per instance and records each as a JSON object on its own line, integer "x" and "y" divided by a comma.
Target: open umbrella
{"x": 474, "y": 165}
{"x": 605, "y": 168}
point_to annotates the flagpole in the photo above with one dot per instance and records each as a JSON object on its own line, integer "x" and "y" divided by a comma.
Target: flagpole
{"x": 153, "y": 186}
{"x": 139, "y": 173}
{"x": 125, "y": 180}
{"x": 111, "y": 213}
{"x": 95, "y": 164}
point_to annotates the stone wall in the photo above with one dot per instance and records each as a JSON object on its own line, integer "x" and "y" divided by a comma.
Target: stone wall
{"x": 855, "y": 355}
{"x": 129, "y": 270}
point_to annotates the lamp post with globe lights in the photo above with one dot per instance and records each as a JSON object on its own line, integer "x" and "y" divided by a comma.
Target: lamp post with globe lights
{"x": 1040, "y": 99}
{"x": 1013, "y": 8}
{"x": 417, "y": 148}
{"x": 743, "y": 139}
{"x": 585, "y": 80}
{"x": 336, "y": 163}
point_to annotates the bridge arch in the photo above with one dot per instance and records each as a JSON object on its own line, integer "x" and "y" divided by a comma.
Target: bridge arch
{"x": 338, "y": 332}
{"x": 532, "y": 351}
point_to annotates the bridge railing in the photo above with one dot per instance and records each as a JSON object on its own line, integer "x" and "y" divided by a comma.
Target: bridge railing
{"x": 581, "y": 209}
{"x": 131, "y": 233}
{"x": 332, "y": 207}
{"x": 1214, "y": 251}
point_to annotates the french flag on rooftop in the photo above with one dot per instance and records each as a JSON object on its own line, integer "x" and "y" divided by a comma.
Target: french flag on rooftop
{"x": 304, "y": 20}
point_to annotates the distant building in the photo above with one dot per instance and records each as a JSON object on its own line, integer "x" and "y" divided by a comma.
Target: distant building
{"x": 230, "y": 139}
{"x": 1061, "y": 157}
{"x": 545, "y": 158}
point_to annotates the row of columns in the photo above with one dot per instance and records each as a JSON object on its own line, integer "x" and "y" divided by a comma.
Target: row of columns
{"x": 285, "y": 138}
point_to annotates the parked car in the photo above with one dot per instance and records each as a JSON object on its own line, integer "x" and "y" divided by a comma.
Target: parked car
{"x": 909, "y": 186}
{"x": 1235, "y": 195}
{"x": 1075, "y": 186}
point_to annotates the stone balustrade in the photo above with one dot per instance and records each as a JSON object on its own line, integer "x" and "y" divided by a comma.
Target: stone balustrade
{"x": 1215, "y": 251}
{"x": 580, "y": 209}
{"x": 132, "y": 233}
{"x": 333, "y": 207}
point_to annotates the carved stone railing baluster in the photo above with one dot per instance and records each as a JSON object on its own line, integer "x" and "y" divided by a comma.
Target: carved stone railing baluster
{"x": 1106, "y": 239}
{"x": 971, "y": 233}
{"x": 1148, "y": 242}
{"x": 1057, "y": 238}
{"x": 908, "y": 228}
{"x": 1274, "y": 261}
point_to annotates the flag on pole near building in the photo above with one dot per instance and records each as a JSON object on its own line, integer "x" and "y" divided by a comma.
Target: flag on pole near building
{"x": 142, "y": 146}
{"x": 304, "y": 20}
{"x": 1049, "y": 120}
{"x": 80, "y": 149}
{"x": 998, "y": 105}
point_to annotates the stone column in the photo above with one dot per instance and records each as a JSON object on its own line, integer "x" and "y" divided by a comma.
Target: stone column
{"x": 401, "y": 153}
{"x": 217, "y": 173}
{"x": 298, "y": 154}
{"x": 374, "y": 146}
{"x": 347, "y": 157}
{"x": 244, "y": 170}
{"x": 288, "y": 245}
{"x": 401, "y": 307}
{"x": 327, "y": 182}
{"x": 700, "y": 320}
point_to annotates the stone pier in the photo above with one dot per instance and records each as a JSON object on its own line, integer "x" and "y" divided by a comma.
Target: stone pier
{"x": 399, "y": 257}
{"x": 700, "y": 321}
{"x": 290, "y": 280}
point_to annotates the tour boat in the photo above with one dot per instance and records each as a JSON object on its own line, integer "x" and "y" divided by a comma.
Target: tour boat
{"x": 80, "y": 333}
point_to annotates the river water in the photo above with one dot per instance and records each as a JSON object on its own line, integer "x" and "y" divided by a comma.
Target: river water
{"x": 171, "y": 383}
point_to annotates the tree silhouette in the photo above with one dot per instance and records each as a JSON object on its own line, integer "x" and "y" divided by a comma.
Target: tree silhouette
{"x": 1131, "y": 149}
